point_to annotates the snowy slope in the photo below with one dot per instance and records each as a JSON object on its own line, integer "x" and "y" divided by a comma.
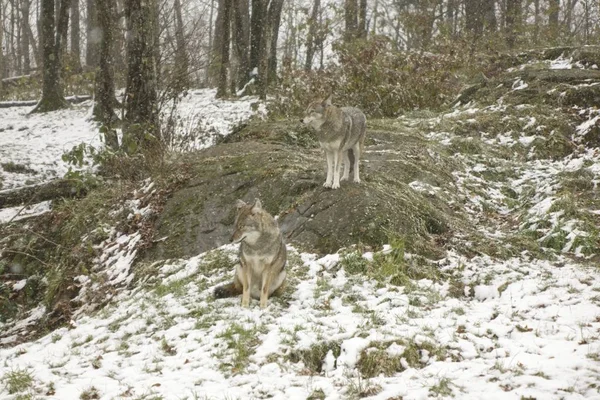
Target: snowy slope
{"x": 38, "y": 141}
{"x": 32, "y": 145}
{"x": 517, "y": 328}
{"x": 527, "y": 331}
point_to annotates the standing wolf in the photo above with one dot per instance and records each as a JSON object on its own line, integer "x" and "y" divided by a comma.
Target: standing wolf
{"x": 261, "y": 271}
{"x": 339, "y": 130}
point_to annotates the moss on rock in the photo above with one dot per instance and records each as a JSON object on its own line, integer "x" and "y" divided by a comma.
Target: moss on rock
{"x": 288, "y": 179}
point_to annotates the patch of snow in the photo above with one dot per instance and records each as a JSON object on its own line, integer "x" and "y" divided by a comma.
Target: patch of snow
{"x": 200, "y": 118}
{"x": 20, "y": 212}
{"x": 19, "y": 285}
{"x": 583, "y": 128}
{"x": 561, "y": 63}
{"x": 483, "y": 292}
{"x": 527, "y": 140}
{"x": 38, "y": 141}
{"x": 542, "y": 207}
{"x": 350, "y": 351}
{"x": 424, "y": 187}
{"x": 519, "y": 84}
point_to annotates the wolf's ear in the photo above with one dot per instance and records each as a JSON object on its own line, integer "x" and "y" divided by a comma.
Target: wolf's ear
{"x": 239, "y": 204}
{"x": 327, "y": 101}
{"x": 257, "y": 205}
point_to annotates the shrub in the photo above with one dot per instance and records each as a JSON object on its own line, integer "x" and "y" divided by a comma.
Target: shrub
{"x": 373, "y": 76}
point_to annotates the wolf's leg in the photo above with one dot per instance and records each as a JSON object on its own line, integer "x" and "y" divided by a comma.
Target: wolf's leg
{"x": 329, "y": 179}
{"x": 266, "y": 286}
{"x": 356, "y": 150}
{"x": 337, "y": 155}
{"x": 346, "y": 165}
{"x": 246, "y": 282}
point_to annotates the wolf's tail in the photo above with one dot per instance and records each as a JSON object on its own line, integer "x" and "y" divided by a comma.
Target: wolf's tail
{"x": 227, "y": 290}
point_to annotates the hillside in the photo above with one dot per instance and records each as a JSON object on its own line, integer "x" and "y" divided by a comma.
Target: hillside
{"x": 465, "y": 265}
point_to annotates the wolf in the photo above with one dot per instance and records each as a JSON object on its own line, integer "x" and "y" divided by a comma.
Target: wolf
{"x": 340, "y": 130}
{"x": 263, "y": 255}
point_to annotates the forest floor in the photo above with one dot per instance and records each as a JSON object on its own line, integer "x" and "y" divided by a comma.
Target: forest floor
{"x": 517, "y": 324}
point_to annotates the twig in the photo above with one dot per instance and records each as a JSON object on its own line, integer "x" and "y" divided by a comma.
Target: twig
{"x": 28, "y": 255}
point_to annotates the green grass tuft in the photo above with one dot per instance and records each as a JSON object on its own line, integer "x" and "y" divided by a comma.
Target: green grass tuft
{"x": 242, "y": 341}
{"x": 90, "y": 394}
{"x": 314, "y": 356}
{"x": 17, "y": 380}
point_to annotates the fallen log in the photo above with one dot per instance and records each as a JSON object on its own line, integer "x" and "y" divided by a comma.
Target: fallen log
{"x": 15, "y": 80}
{"x": 45, "y": 191}
{"x": 31, "y": 103}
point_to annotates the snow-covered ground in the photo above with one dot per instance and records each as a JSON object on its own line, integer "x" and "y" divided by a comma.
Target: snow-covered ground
{"x": 32, "y": 145}
{"x": 526, "y": 329}
{"x": 515, "y": 328}
{"x": 38, "y": 141}
{"x": 199, "y": 118}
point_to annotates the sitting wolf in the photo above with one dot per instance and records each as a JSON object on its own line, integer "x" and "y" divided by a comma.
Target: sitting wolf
{"x": 263, "y": 255}
{"x": 339, "y": 130}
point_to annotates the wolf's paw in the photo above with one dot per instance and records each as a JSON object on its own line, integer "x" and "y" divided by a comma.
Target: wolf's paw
{"x": 335, "y": 185}
{"x": 344, "y": 178}
{"x": 327, "y": 184}
{"x": 357, "y": 180}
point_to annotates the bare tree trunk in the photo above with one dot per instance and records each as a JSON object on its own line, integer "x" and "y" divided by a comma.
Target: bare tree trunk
{"x": 25, "y": 7}
{"x": 553, "y": 9}
{"x": 141, "y": 129}
{"x": 290, "y": 49}
{"x": 451, "y": 11}
{"x": 513, "y": 16}
{"x": 241, "y": 39}
{"x": 568, "y": 19}
{"x": 182, "y": 81}
{"x": 105, "y": 84}
{"x": 351, "y": 19}
{"x": 257, "y": 22}
{"x": 155, "y": 29}
{"x": 362, "y": 20}
{"x": 75, "y": 36}
{"x": 375, "y": 15}
{"x": 1, "y": 52}
{"x": 19, "y": 47}
{"x": 275, "y": 9}
{"x": 224, "y": 18}
{"x": 263, "y": 62}
{"x": 310, "y": 40}
{"x": 321, "y": 40}
{"x": 52, "y": 90}
{"x": 93, "y": 35}
{"x": 34, "y": 47}
{"x": 210, "y": 52}
{"x": 119, "y": 46}
{"x": 586, "y": 22}
{"x": 489, "y": 16}
{"x": 215, "y": 50}
{"x": 474, "y": 17}
{"x": 64, "y": 28}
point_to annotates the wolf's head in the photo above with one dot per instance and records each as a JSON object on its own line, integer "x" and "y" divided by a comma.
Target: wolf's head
{"x": 250, "y": 222}
{"x": 314, "y": 115}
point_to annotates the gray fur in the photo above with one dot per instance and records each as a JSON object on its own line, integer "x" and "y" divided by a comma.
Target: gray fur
{"x": 339, "y": 131}
{"x": 262, "y": 253}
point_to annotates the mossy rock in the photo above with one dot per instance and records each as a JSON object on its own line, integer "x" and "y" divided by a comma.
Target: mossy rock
{"x": 288, "y": 179}
{"x": 283, "y": 132}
